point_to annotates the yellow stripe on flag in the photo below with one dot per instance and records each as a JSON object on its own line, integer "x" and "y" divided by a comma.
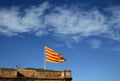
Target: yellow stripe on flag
{"x": 52, "y": 56}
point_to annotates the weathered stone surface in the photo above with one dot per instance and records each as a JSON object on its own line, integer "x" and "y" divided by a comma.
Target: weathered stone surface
{"x": 8, "y": 73}
{"x": 34, "y": 75}
{"x": 27, "y": 73}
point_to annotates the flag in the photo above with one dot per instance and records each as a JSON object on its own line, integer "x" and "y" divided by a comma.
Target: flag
{"x": 52, "y": 56}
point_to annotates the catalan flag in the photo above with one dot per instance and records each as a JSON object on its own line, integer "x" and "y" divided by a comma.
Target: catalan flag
{"x": 52, "y": 56}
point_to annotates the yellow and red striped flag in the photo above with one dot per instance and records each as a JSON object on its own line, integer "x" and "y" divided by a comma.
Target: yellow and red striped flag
{"x": 52, "y": 56}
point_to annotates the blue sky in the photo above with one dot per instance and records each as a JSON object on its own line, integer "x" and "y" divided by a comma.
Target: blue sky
{"x": 86, "y": 32}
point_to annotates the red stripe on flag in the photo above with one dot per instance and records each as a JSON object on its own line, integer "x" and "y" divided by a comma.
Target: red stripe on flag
{"x": 52, "y": 56}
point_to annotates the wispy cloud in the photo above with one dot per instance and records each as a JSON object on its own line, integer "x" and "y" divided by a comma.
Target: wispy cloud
{"x": 72, "y": 22}
{"x": 115, "y": 18}
{"x": 95, "y": 43}
{"x": 13, "y": 21}
{"x": 68, "y": 21}
{"x": 114, "y": 23}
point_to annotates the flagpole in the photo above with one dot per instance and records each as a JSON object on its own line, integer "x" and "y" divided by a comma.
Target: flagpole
{"x": 44, "y": 58}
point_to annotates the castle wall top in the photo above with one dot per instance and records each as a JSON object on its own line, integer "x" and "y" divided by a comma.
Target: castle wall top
{"x": 32, "y": 73}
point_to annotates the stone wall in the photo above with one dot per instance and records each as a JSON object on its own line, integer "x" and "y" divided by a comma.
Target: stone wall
{"x": 34, "y": 75}
{"x": 8, "y": 73}
{"x": 27, "y": 72}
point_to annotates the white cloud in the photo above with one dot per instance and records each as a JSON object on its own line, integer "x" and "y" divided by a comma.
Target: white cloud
{"x": 95, "y": 43}
{"x": 114, "y": 34}
{"x": 115, "y": 18}
{"x": 14, "y": 22}
{"x": 114, "y": 23}
{"x": 79, "y": 23}
{"x": 67, "y": 22}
